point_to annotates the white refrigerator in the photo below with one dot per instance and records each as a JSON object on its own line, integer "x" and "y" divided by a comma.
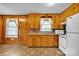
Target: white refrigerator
{"x": 72, "y": 35}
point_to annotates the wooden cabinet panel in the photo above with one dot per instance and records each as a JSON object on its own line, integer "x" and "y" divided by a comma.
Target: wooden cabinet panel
{"x": 50, "y": 41}
{"x": 53, "y": 40}
{"x": 36, "y": 41}
{"x": 31, "y": 21}
{"x": 77, "y": 8}
{"x": 43, "y": 41}
{"x": 62, "y": 19}
{"x": 73, "y": 9}
{"x": 22, "y": 28}
{"x": 34, "y": 20}
{"x": 29, "y": 41}
{"x": 37, "y": 22}
{"x": 56, "y": 22}
{"x": 1, "y": 25}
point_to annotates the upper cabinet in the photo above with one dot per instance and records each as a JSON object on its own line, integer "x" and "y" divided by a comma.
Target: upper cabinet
{"x": 56, "y": 22}
{"x": 73, "y": 9}
{"x": 31, "y": 20}
{"x": 35, "y": 19}
{"x": 62, "y": 19}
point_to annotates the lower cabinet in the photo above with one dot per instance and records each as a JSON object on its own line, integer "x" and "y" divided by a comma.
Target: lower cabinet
{"x": 36, "y": 41}
{"x": 43, "y": 41}
{"x": 33, "y": 41}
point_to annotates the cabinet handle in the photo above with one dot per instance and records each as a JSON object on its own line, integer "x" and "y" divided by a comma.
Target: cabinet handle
{"x": 70, "y": 18}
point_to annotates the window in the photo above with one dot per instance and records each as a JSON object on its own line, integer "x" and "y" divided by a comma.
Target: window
{"x": 45, "y": 24}
{"x": 12, "y": 28}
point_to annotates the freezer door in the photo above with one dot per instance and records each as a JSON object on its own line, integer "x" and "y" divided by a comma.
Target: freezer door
{"x": 72, "y": 44}
{"x": 73, "y": 23}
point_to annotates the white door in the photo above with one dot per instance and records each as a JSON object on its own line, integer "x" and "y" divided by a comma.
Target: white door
{"x": 72, "y": 44}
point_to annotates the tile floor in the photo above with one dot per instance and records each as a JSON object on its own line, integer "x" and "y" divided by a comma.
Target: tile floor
{"x": 23, "y": 50}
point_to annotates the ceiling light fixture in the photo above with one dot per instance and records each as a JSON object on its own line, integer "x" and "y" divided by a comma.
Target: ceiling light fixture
{"x": 50, "y": 4}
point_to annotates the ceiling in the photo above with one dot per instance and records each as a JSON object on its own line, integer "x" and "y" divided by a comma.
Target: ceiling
{"x": 25, "y": 8}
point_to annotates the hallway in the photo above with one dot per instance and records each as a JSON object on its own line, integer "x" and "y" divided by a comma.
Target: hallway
{"x": 23, "y": 50}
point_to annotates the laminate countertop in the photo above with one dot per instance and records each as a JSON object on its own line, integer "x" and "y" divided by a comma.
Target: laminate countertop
{"x": 41, "y": 33}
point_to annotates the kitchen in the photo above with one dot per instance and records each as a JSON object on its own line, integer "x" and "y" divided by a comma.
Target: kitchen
{"x": 36, "y": 29}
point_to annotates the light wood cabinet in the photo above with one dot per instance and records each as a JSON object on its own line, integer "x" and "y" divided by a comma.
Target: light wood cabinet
{"x": 73, "y": 9}
{"x": 29, "y": 42}
{"x": 62, "y": 19}
{"x": 34, "y": 20}
{"x": 43, "y": 41}
{"x": 36, "y": 41}
{"x": 37, "y": 22}
{"x": 31, "y": 20}
{"x": 77, "y": 8}
{"x": 33, "y": 41}
{"x": 56, "y": 22}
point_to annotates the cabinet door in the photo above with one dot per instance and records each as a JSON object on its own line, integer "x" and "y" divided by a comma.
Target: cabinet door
{"x": 62, "y": 18}
{"x": 50, "y": 42}
{"x": 77, "y": 8}
{"x": 44, "y": 41}
{"x": 33, "y": 41}
{"x": 37, "y": 22}
{"x": 36, "y": 41}
{"x": 56, "y": 22}
{"x": 29, "y": 41}
{"x": 31, "y": 21}
{"x": 55, "y": 40}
